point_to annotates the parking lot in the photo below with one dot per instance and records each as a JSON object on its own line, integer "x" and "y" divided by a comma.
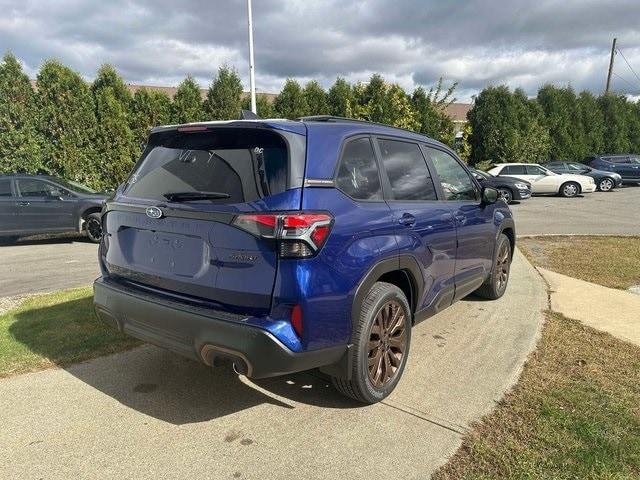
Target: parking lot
{"x": 71, "y": 261}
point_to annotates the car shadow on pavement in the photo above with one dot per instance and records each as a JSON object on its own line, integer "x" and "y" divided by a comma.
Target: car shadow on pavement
{"x": 45, "y": 240}
{"x": 164, "y": 385}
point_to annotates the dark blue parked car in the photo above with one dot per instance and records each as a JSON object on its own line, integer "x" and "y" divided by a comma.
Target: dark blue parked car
{"x": 627, "y": 166}
{"x": 289, "y": 245}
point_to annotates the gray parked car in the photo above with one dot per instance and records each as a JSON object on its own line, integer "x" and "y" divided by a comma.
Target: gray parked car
{"x": 35, "y": 204}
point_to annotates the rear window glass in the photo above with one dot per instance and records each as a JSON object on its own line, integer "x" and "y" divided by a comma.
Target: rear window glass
{"x": 243, "y": 165}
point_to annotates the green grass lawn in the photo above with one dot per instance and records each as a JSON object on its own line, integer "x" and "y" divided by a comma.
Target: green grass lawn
{"x": 574, "y": 414}
{"x": 55, "y": 329}
{"x": 610, "y": 261}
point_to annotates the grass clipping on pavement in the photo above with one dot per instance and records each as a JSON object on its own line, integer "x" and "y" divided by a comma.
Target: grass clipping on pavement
{"x": 575, "y": 413}
{"x": 55, "y": 329}
{"x": 613, "y": 262}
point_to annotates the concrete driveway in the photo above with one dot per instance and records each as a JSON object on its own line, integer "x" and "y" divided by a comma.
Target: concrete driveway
{"x": 150, "y": 414}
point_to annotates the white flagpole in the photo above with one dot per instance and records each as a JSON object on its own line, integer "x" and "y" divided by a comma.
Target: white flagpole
{"x": 252, "y": 77}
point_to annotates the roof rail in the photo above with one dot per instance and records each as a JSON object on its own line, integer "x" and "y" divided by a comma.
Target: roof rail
{"x": 333, "y": 118}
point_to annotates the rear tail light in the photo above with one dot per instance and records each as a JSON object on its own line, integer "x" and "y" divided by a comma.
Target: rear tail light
{"x": 299, "y": 235}
{"x": 296, "y": 319}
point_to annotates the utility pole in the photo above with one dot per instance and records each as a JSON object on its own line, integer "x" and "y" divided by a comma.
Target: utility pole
{"x": 252, "y": 76}
{"x": 613, "y": 53}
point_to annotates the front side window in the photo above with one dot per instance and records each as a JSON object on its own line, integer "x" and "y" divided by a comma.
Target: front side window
{"x": 535, "y": 170}
{"x": 5, "y": 188}
{"x": 456, "y": 183}
{"x": 358, "y": 174}
{"x": 36, "y": 188}
{"x": 407, "y": 170}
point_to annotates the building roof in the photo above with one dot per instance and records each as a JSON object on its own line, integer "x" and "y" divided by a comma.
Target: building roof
{"x": 458, "y": 111}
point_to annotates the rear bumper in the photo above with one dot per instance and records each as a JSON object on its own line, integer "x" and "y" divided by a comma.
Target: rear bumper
{"x": 203, "y": 334}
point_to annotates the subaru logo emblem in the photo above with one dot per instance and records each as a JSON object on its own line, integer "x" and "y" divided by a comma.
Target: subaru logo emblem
{"x": 153, "y": 212}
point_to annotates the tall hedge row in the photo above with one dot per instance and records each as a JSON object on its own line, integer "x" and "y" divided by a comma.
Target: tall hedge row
{"x": 93, "y": 133}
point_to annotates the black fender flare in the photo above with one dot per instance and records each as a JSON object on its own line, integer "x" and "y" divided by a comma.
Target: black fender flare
{"x": 405, "y": 263}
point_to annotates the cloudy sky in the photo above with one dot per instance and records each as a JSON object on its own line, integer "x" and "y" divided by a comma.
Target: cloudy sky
{"x": 476, "y": 43}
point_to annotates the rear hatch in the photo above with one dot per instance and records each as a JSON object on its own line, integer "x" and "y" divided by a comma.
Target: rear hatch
{"x": 171, "y": 226}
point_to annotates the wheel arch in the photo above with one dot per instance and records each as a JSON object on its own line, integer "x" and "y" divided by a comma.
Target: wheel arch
{"x": 403, "y": 272}
{"x": 85, "y": 213}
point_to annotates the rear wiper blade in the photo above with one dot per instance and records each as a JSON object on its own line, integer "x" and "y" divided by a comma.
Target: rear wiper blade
{"x": 188, "y": 196}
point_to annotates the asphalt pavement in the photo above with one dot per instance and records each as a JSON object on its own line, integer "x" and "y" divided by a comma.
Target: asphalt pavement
{"x": 598, "y": 213}
{"x": 150, "y": 414}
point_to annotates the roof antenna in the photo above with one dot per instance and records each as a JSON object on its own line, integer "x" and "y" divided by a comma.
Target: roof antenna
{"x": 248, "y": 115}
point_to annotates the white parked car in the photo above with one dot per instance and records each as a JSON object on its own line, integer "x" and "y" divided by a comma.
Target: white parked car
{"x": 543, "y": 180}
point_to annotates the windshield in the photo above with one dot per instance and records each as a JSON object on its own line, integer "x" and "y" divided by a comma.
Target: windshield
{"x": 482, "y": 174}
{"x": 235, "y": 166}
{"x": 73, "y": 186}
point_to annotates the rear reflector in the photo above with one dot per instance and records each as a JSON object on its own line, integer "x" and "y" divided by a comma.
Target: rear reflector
{"x": 296, "y": 319}
{"x": 299, "y": 235}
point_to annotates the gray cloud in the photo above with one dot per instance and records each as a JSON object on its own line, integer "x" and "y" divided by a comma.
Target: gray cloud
{"x": 476, "y": 43}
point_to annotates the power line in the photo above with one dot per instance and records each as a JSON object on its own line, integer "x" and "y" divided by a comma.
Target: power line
{"x": 628, "y": 64}
{"x": 626, "y": 81}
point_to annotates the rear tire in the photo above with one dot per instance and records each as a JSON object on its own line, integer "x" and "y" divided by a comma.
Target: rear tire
{"x": 496, "y": 284}
{"x": 569, "y": 189}
{"x": 93, "y": 227}
{"x": 381, "y": 338}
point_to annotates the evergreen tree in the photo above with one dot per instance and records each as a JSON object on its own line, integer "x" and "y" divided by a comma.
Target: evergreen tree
{"x": 19, "y": 145}
{"x": 359, "y": 107}
{"x": 340, "y": 98}
{"x": 116, "y": 148}
{"x": 224, "y": 97}
{"x": 400, "y": 112}
{"x": 560, "y": 109}
{"x": 374, "y": 97}
{"x": 616, "y": 126}
{"x": 591, "y": 122}
{"x": 291, "y": 102}
{"x": 264, "y": 105}
{"x": 150, "y": 108}
{"x": 316, "y": 98}
{"x": 66, "y": 123}
{"x": 187, "y": 103}
{"x": 115, "y": 142}
{"x": 108, "y": 77}
{"x": 531, "y": 143}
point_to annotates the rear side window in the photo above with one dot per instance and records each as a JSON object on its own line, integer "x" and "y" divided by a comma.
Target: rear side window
{"x": 243, "y": 165}
{"x": 619, "y": 159}
{"x": 513, "y": 170}
{"x": 407, "y": 171}
{"x": 456, "y": 182}
{"x": 5, "y": 188}
{"x": 358, "y": 175}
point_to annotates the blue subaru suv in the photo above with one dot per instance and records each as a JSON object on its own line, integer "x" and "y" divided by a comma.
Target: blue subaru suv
{"x": 283, "y": 246}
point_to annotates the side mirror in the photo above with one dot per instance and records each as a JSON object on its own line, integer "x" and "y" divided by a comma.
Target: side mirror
{"x": 489, "y": 195}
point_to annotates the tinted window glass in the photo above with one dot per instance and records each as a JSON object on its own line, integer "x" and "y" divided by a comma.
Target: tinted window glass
{"x": 576, "y": 167}
{"x": 5, "y": 188}
{"x": 535, "y": 170}
{"x": 634, "y": 160}
{"x": 245, "y": 165}
{"x": 619, "y": 159}
{"x": 456, "y": 183}
{"x": 513, "y": 170}
{"x": 36, "y": 188}
{"x": 358, "y": 175}
{"x": 407, "y": 171}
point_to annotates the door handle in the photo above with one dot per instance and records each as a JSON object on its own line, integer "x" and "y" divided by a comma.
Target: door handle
{"x": 407, "y": 220}
{"x": 24, "y": 204}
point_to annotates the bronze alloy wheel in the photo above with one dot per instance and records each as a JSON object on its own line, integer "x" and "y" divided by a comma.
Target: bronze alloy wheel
{"x": 502, "y": 267}
{"x": 388, "y": 342}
